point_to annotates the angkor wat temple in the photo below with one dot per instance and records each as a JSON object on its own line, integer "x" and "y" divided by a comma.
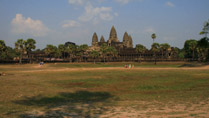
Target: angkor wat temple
{"x": 113, "y": 40}
{"x": 125, "y": 49}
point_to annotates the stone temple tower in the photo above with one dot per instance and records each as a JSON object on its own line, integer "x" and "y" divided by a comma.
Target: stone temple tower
{"x": 125, "y": 39}
{"x": 94, "y": 40}
{"x": 113, "y": 35}
{"x": 130, "y": 43}
{"x": 102, "y": 40}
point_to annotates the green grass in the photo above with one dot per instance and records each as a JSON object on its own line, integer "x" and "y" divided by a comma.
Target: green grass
{"x": 119, "y": 64}
{"x": 23, "y": 91}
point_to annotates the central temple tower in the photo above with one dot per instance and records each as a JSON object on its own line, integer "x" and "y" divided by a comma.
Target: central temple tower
{"x": 113, "y": 35}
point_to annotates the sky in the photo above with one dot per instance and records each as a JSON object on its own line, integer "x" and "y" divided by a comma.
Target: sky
{"x": 58, "y": 21}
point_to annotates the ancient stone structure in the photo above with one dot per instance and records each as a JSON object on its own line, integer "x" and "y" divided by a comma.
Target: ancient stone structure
{"x": 94, "y": 39}
{"x": 113, "y": 40}
{"x": 102, "y": 40}
{"x": 127, "y": 41}
{"x": 125, "y": 51}
{"x": 113, "y": 35}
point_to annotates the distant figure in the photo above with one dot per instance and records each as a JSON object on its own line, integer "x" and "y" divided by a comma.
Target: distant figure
{"x": 41, "y": 63}
{"x": 129, "y": 66}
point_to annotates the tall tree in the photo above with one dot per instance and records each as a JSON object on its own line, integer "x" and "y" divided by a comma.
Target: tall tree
{"x": 94, "y": 54}
{"x": 205, "y": 29}
{"x": 20, "y": 48}
{"x": 164, "y": 48}
{"x": 78, "y": 53}
{"x": 189, "y": 48}
{"x": 103, "y": 50}
{"x": 29, "y": 46}
{"x": 83, "y": 49}
{"x": 111, "y": 51}
{"x": 155, "y": 49}
{"x": 153, "y": 36}
{"x": 50, "y": 50}
{"x": 193, "y": 46}
{"x": 2, "y": 48}
{"x": 10, "y": 53}
{"x": 203, "y": 48}
{"x": 176, "y": 51}
{"x": 71, "y": 51}
{"x": 62, "y": 50}
{"x": 141, "y": 50}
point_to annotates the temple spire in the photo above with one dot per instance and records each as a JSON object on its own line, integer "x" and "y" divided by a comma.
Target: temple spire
{"x": 113, "y": 35}
{"x": 94, "y": 39}
{"x": 102, "y": 40}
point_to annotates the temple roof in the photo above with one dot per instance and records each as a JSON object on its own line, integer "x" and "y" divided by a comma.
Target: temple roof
{"x": 113, "y": 33}
{"x": 95, "y": 38}
{"x": 102, "y": 39}
{"x": 125, "y": 37}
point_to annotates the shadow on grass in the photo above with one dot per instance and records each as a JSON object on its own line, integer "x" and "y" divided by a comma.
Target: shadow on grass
{"x": 79, "y": 104}
{"x": 194, "y": 65}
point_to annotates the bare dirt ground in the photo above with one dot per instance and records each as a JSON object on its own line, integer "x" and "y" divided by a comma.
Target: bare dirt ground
{"x": 138, "y": 110}
{"x": 156, "y": 110}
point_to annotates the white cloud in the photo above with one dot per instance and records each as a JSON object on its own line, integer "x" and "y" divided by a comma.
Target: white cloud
{"x": 71, "y": 23}
{"x": 169, "y": 4}
{"x": 149, "y": 30}
{"x": 22, "y": 25}
{"x": 96, "y": 14}
{"x": 123, "y": 1}
{"x": 77, "y": 2}
{"x": 91, "y": 13}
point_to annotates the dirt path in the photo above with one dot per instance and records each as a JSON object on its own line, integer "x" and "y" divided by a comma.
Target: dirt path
{"x": 53, "y": 69}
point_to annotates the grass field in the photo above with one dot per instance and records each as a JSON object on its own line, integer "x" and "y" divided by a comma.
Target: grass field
{"x": 104, "y": 90}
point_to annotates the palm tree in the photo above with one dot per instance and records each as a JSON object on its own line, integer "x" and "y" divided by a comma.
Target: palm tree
{"x": 176, "y": 51}
{"x": 2, "y": 45}
{"x": 19, "y": 47}
{"x": 193, "y": 46}
{"x": 2, "y": 48}
{"x": 153, "y": 36}
{"x": 187, "y": 48}
{"x": 155, "y": 49}
{"x": 103, "y": 50}
{"x": 205, "y": 29}
{"x": 203, "y": 48}
{"x": 71, "y": 51}
{"x": 62, "y": 50}
{"x": 30, "y": 45}
{"x": 51, "y": 50}
{"x": 94, "y": 54}
{"x": 111, "y": 51}
{"x": 83, "y": 49}
{"x": 164, "y": 47}
{"x": 78, "y": 53}
{"x": 140, "y": 49}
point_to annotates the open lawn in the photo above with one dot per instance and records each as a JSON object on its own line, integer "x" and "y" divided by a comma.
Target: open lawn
{"x": 89, "y": 90}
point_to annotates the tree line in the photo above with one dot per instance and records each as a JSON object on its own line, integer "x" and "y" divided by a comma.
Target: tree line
{"x": 193, "y": 49}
